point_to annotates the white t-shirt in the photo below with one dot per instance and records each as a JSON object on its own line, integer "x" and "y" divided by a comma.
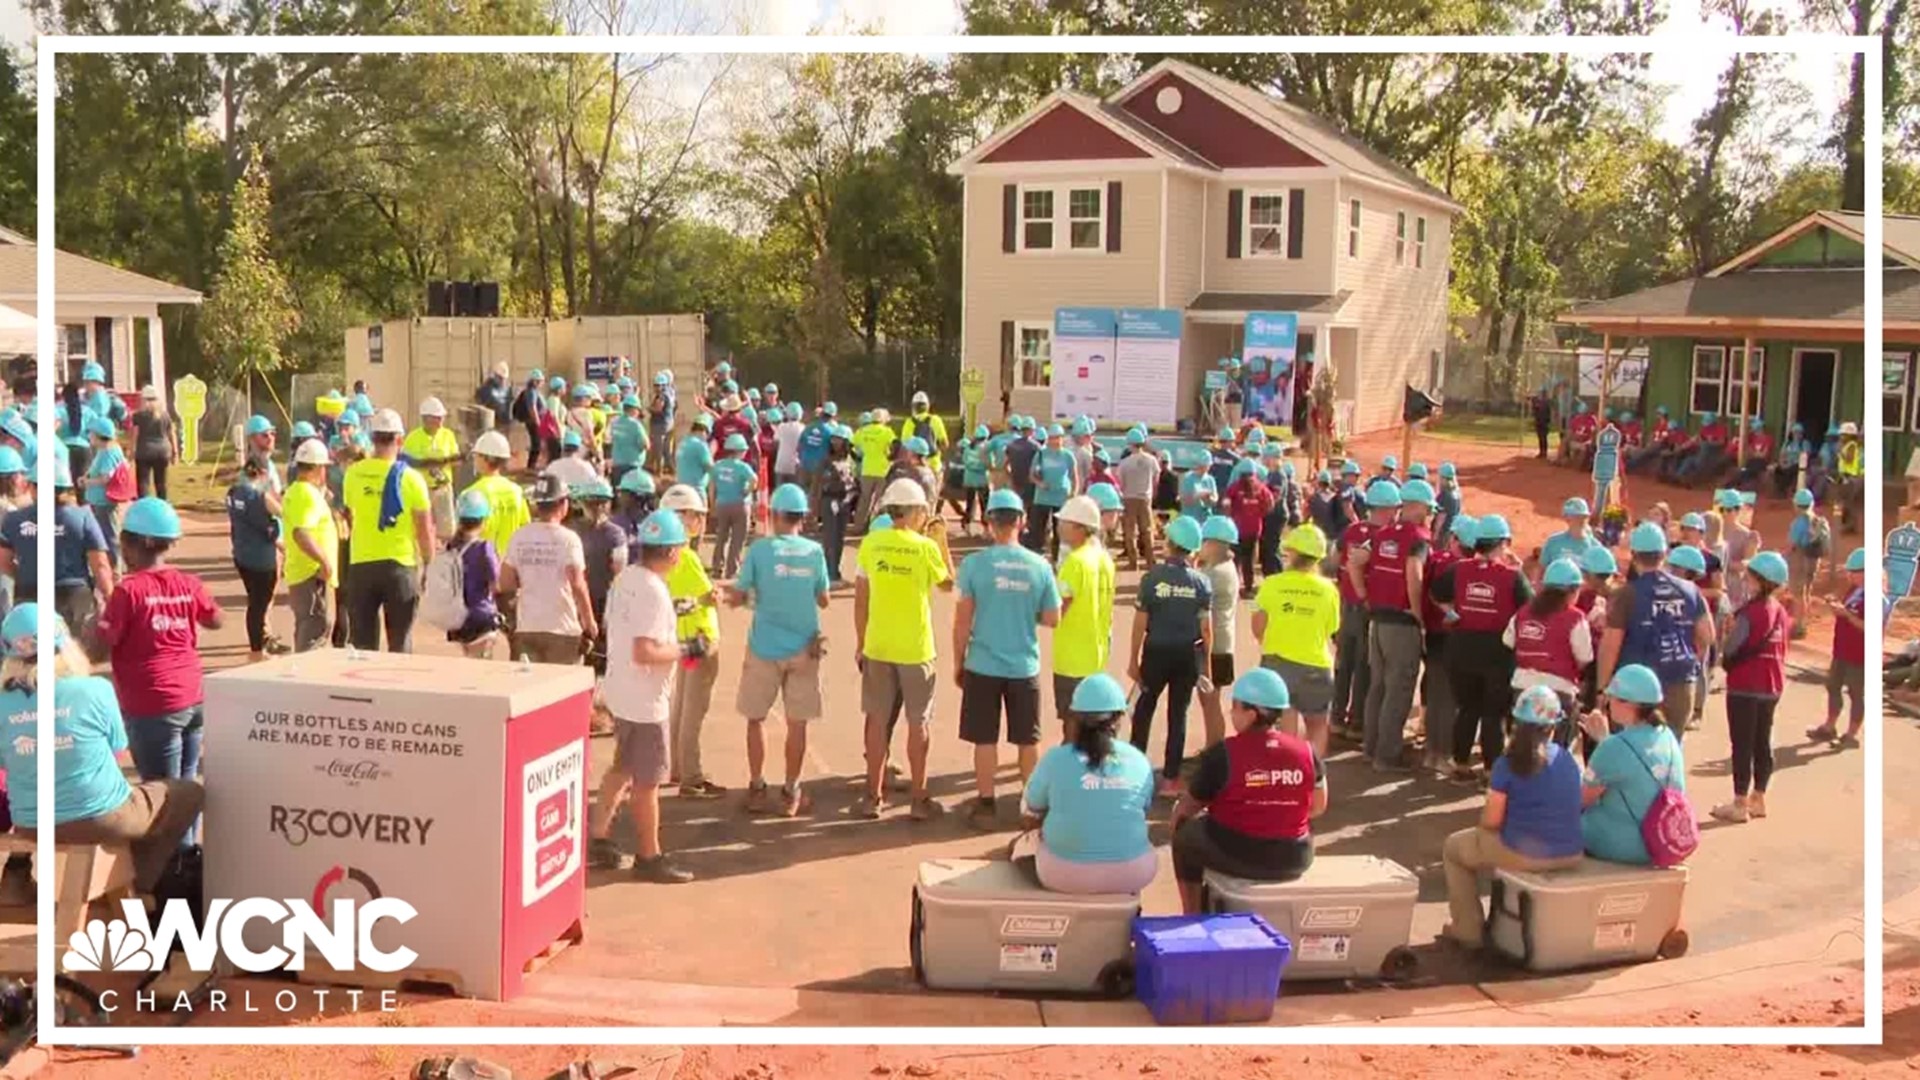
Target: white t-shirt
{"x": 638, "y": 606}
{"x": 786, "y": 446}
{"x": 572, "y": 470}
{"x": 540, "y": 552}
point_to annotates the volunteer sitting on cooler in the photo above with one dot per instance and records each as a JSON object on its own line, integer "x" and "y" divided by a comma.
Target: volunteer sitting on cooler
{"x": 93, "y": 803}
{"x": 1090, "y": 799}
{"x": 1629, "y": 768}
{"x": 1259, "y": 788}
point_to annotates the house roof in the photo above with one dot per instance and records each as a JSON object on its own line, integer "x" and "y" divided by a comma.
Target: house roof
{"x": 1154, "y": 144}
{"x": 1759, "y": 297}
{"x": 1154, "y": 135}
{"x": 1304, "y": 303}
{"x": 1900, "y": 237}
{"x": 77, "y": 278}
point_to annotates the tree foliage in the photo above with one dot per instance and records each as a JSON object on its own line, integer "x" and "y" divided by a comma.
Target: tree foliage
{"x": 251, "y": 312}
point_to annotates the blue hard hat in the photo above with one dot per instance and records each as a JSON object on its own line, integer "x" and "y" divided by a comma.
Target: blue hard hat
{"x": 570, "y": 440}
{"x": 1418, "y": 492}
{"x": 831, "y": 408}
{"x": 1005, "y": 499}
{"x": 1538, "y": 706}
{"x": 630, "y": 402}
{"x": 1351, "y": 468}
{"x": 1727, "y": 499}
{"x": 660, "y": 378}
{"x": 788, "y": 499}
{"x": 99, "y": 427}
{"x": 1056, "y": 432}
{"x": 1417, "y": 471}
{"x": 152, "y": 517}
{"x": 1576, "y": 507}
{"x": 1390, "y": 463}
{"x": 1493, "y": 527}
{"x": 736, "y": 443}
{"x": 1857, "y": 559}
{"x": 794, "y": 411}
{"x": 596, "y": 488}
{"x": 1446, "y": 470}
{"x": 1465, "y": 529}
{"x": 1262, "y": 689}
{"x": 1220, "y": 527}
{"x": 303, "y": 430}
{"x": 918, "y": 447}
{"x": 258, "y": 425}
{"x": 637, "y": 481}
{"x": 1693, "y": 521}
{"x": 1647, "y": 539}
{"x": 20, "y": 629}
{"x": 1243, "y": 467}
{"x": 473, "y": 506}
{"x": 1598, "y": 560}
{"x": 1383, "y": 495}
{"x": 1226, "y": 435}
{"x": 1562, "y": 573}
{"x": 1083, "y": 427}
{"x": 1636, "y": 683}
{"x": 1105, "y": 496}
{"x": 1803, "y": 498}
{"x": 1689, "y": 558}
{"x": 1136, "y": 438}
{"x": 11, "y": 463}
{"x": 662, "y": 528}
{"x": 1769, "y": 566}
{"x": 93, "y": 373}
{"x": 558, "y": 382}
{"x": 1184, "y": 533}
{"x": 1098, "y": 694}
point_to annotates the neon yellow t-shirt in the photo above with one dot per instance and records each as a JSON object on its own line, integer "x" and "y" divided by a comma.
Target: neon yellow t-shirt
{"x": 1085, "y": 635}
{"x": 360, "y": 492}
{"x": 876, "y": 449}
{"x": 305, "y": 507}
{"x": 1303, "y": 615}
{"x": 901, "y": 568}
{"x": 509, "y": 509}
{"x": 421, "y": 446}
{"x": 599, "y": 416}
{"x": 687, "y": 581}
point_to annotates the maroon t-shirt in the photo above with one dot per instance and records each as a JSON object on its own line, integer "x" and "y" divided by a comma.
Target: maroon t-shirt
{"x": 152, "y": 625}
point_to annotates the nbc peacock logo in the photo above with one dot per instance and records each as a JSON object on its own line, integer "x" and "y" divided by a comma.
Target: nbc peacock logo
{"x": 109, "y": 945}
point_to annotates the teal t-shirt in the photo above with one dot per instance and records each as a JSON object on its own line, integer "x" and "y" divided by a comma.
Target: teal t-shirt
{"x": 1054, "y": 472}
{"x": 1562, "y": 545}
{"x": 1009, "y": 586}
{"x": 103, "y": 464}
{"x": 1611, "y": 827}
{"x": 783, "y": 577}
{"x": 997, "y": 450}
{"x": 1093, "y": 816}
{"x": 693, "y": 463}
{"x": 973, "y": 465}
{"x": 88, "y": 732}
{"x": 629, "y": 439}
{"x": 733, "y": 481}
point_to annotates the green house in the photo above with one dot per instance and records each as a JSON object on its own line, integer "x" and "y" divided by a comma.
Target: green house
{"x": 1782, "y": 325}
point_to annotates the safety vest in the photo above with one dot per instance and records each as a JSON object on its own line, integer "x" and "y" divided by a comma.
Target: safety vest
{"x": 1386, "y": 574}
{"x": 1760, "y": 667}
{"x": 1483, "y": 595}
{"x": 1850, "y": 459}
{"x": 1660, "y": 626}
{"x": 1269, "y": 790}
{"x": 1546, "y": 645}
{"x": 1432, "y": 615}
{"x": 1356, "y": 535}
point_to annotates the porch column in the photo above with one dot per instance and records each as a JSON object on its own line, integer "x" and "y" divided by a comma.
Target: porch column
{"x": 1746, "y": 382}
{"x": 1606, "y": 370}
{"x": 157, "y": 356}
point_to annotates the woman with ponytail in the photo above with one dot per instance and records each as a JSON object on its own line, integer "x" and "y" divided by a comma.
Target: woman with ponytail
{"x": 1090, "y": 799}
{"x": 1637, "y": 757}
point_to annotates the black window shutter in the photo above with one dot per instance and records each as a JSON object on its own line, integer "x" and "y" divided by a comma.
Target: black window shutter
{"x": 1006, "y": 355}
{"x": 1234, "y": 209}
{"x": 1296, "y": 223}
{"x": 1009, "y": 215}
{"x": 1113, "y": 215}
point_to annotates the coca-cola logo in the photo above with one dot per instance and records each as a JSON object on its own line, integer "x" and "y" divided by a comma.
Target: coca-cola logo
{"x": 354, "y": 773}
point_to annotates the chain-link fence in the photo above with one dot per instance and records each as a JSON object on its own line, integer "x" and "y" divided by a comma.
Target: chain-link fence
{"x": 856, "y": 380}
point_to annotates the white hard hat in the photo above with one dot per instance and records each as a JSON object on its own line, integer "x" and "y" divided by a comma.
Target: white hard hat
{"x": 1081, "y": 510}
{"x": 920, "y": 397}
{"x": 881, "y": 416}
{"x": 682, "y": 497}
{"x": 904, "y": 492}
{"x": 1849, "y": 428}
{"x": 312, "y": 452}
{"x": 150, "y": 393}
{"x": 387, "y": 422}
{"x": 433, "y": 407}
{"x": 492, "y": 444}
{"x": 500, "y": 369}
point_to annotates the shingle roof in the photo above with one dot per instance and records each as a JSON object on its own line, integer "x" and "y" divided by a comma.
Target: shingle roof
{"x": 1900, "y": 233}
{"x": 1835, "y": 295}
{"x": 1304, "y": 303}
{"x": 1152, "y": 134}
{"x": 78, "y": 278}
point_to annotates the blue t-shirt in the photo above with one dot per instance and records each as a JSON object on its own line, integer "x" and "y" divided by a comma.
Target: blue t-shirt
{"x": 1611, "y": 827}
{"x": 693, "y": 463}
{"x": 103, "y": 464}
{"x": 88, "y": 732}
{"x": 813, "y": 445}
{"x": 76, "y": 533}
{"x": 1009, "y": 586}
{"x": 783, "y": 577}
{"x": 1543, "y": 810}
{"x": 973, "y": 464}
{"x": 1054, "y": 472}
{"x": 1176, "y": 598}
{"x": 629, "y": 439}
{"x": 252, "y": 529}
{"x": 1562, "y": 545}
{"x": 104, "y": 402}
{"x": 1093, "y": 816}
{"x": 733, "y": 481}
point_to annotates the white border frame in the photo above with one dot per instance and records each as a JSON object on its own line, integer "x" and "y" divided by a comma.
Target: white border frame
{"x": 1869, "y": 1034}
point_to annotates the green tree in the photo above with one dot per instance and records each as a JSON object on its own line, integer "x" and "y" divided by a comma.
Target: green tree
{"x": 17, "y": 160}
{"x": 251, "y": 312}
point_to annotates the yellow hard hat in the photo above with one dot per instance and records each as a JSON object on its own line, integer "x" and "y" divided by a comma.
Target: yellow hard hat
{"x": 1307, "y": 540}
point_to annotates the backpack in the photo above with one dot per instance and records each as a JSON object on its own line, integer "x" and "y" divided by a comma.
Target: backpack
{"x": 120, "y": 485}
{"x": 1668, "y": 828}
{"x": 444, "y": 604}
{"x": 1819, "y": 538}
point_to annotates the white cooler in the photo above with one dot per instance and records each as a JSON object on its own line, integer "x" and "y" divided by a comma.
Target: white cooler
{"x": 987, "y": 925}
{"x": 1589, "y": 915}
{"x": 1348, "y": 916}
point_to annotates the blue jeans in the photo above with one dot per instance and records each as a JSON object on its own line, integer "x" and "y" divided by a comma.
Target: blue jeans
{"x": 167, "y": 747}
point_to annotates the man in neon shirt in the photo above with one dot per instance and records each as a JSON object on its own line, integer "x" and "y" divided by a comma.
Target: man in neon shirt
{"x": 313, "y": 544}
{"x": 509, "y": 502}
{"x": 386, "y": 551}
{"x": 893, "y": 633}
{"x": 433, "y": 449}
{"x": 1083, "y": 641}
{"x": 698, "y": 625}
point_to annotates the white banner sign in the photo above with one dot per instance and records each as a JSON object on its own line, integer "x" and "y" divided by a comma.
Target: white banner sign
{"x": 1146, "y": 381}
{"x": 1083, "y": 362}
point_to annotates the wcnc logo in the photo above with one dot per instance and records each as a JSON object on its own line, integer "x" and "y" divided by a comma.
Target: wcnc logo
{"x": 133, "y": 943}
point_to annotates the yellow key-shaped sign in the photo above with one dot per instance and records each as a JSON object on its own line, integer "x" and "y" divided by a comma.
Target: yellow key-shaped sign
{"x": 189, "y": 404}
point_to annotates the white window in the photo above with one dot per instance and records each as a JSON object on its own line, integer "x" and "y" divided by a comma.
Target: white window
{"x": 1033, "y": 355}
{"x": 1716, "y": 380}
{"x": 1400, "y": 239}
{"x": 1709, "y": 378}
{"x": 1353, "y": 228}
{"x": 1266, "y": 225}
{"x": 1419, "y": 242}
{"x": 1076, "y": 213}
{"x": 1896, "y": 385}
{"x": 1756, "y": 363}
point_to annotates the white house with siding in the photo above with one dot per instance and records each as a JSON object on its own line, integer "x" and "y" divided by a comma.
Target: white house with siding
{"x": 101, "y": 310}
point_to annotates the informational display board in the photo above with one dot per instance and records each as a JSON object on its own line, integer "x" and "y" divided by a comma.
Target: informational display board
{"x": 1629, "y": 371}
{"x": 1271, "y": 344}
{"x": 1606, "y": 465}
{"x": 458, "y": 786}
{"x": 1902, "y": 562}
{"x": 602, "y": 368}
{"x": 1083, "y": 362}
{"x": 1146, "y": 380}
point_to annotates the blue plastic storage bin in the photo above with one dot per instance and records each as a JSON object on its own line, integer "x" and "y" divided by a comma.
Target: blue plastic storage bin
{"x": 1208, "y": 969}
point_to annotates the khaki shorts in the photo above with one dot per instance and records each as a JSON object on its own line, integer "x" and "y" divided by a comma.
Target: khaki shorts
{"x": 640, "y": 752}
{"x": 795, "y": 682}
{"x": 544, "y": 648}
{"x": 911, "y": 684}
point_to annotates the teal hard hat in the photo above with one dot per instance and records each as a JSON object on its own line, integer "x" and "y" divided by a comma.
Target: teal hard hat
{"x": 659, "y": 378}
{"x": 918, "y": 447}
{"x": 363, "y": 404}
{"x": 1803, "y": 498}
{"x": 1465, "y": 529}
{"x": 1244, "y": 467}
{"x": 1184, "y": 533}
{"x": 1226, "y": 435}
{"x": 1220, "y": 527}
{"x": 1105, "y": 496}
{"x": 1857, "y": 559}
{"x": 662, "y": 528}
{"x": 1688, "y": 558}
{"x": 536, "y": 375}
{"x": 749, "y": 415}
{"x": 1082, "y": 427}
{"x": 866, "y": 418}
{"x": 1727, "y": 499}
{"x": 1262, "y": 689}
{"x": 1600, "y": 561}
{"x": 20, "y": 629}
{"x": 981, "y": 432}
{"x": 259, "y": 425}
{"x": 753, "y": 393}
{"x": 703, "y": 420}
{"x": 570, "y": 440}
{"x": 1538, "y": 706}
{"x": 788, "y": 499}
{"x": 1417, "y": 491}
{"x": 624, "y": 383}
{"x": 842, "y": 431}
{"x": 630, "y": 402}
{"x": 1708, "y": 418}
{"x": 1636, "y": 683}
{"x": 152, "y": 517}
{"x": 731, "y": 387}
{"x": 1692, "y": 521}
{"x": 1390, "y": 463}
{"x": 11, "y": 463}
{"x": 473, "y": 506}
{"x": 347, "y": 418}
{"x": 1257, "y": 437}
{"x": 1493, "y": 527}
{"x": 1769, "y": 566}
{"x": 1580, "y": 406}
{"x": 772, "y": 388}
{"x": 1351, "y": 468}
{"x": 794, "y": 411}
{"x": 99, "y": 427}
{"x": 1575, "y": 507}
{"x": 93, "y": 373}
{"x": 1273, "y": 451}
{"x": 1446, "y": 470}
{"x": 1647, "y": 539}
{"x": 723, "y": 369}
{"x": 1136, "y": 438}
{"x": 1102, "y": 456}
{"x": 1056, "y": 432}
{"x": 1005, "y": 499}
{"x": 831, "y": 408}
{"x": 596, "y": 488}
{"x": 584, "y": 390}
{"x": 558, "y": 382}
{"x": 736, "y": 444}
{"x": 1098, "y": 694}
{"x": 1383, "y": 495}
{"x": 637, "y": 482}
{"x": 302, "y": 430}
{"x": 1417, "y": 471}
{"x": 1562, "y": 573}
{"x": 1324, "y": 476}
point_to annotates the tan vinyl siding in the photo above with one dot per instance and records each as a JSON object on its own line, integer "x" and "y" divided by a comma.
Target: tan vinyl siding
{"x": 1401, "y": 312}
{"x": 1312, "y": 273}
{"x": 1028, "y": 286}
{"x": 1186, "y": 213}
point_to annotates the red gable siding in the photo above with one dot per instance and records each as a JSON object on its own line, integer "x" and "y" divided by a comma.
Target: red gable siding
{"x": 1064, "y": 133}
{"x": 1214, "y": 129}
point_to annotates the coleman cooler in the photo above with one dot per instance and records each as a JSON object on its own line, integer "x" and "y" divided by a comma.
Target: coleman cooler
{"x": 987, "y": 925}
{"x": 1589, "y": 915}
{"x": 1348, "y": 916}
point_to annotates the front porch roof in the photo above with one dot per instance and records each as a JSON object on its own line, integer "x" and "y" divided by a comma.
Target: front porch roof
{"x": 77, "y": 279}
{"x": 1227, "y": 306}
{"x": 1826, "y": 304}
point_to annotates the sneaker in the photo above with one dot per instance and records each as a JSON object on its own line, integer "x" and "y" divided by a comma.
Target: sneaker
{"x": 868, "y": 808}
{"x": 924, "y": 809}
{"x": 794, "y": 802}
{"x": 984, "y": 816}
{"x": 1823, "y": 733}
{"x": 1850, "y": 741}
{"x": 702, "y": 789}
{"x": 896, "y": 780}
{"x": 1757, "y": 805}
{"x": 1734, "y": 812}
{"x": 660, "y": 870}
{"x": 1391, "y": 768}
{"x": 604, "y": 854}
{"x": 276, "y": 647}
{"x": 1693, "y": 723}
{"x": 1460, "y": 774}
{"x": 759, "y": 798}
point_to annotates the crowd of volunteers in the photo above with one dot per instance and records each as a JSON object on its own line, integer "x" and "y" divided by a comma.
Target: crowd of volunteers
{"x": 1385, "y": 613}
